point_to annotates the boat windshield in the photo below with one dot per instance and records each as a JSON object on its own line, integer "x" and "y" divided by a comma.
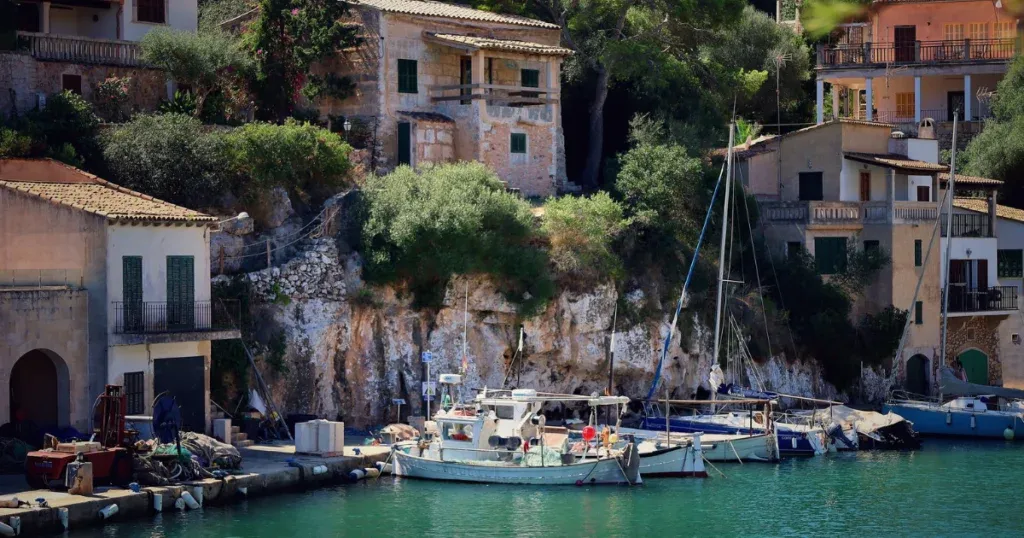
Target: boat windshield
{"x": 505, "y": 412}
{"x": 456, "y": 431}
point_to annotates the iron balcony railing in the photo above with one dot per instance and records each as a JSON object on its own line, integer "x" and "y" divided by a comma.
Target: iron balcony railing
{"x": 966, "y": 225}
{"x": 966, "y": 299}
{"x": 917, "y": 52}
{"x": 171, "y": 317}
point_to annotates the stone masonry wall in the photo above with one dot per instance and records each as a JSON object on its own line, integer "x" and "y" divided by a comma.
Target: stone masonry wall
{"x": 435, "y": 142}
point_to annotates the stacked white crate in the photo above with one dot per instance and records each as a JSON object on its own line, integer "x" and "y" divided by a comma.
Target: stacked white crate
{"x": 320, "y": 438}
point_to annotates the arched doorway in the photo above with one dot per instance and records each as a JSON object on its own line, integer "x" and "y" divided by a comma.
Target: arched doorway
{"x": 34, "y": 390}
{"x": 917, "y": 375}
{"x": 975, "y": 366}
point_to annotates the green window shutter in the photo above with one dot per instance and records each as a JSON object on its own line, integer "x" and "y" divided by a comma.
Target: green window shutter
{"x": 465, "y": 77}
{"x": 407, "y": 82}
{"x": 404, "y": 143}
{"x": 530, "y": 78}
{"x": 1010, "y": 263}
{"x": 830, "y": 254}
{"x": 518, "y": 142}
{"x": 917, "y": 253}
{"x": 131, "y": 293}
{"x": 181, "y": 291}
{"x": 918, "y": 313}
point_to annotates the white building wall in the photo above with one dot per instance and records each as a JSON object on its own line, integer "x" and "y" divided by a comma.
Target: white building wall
{"x": 982, "y": 248}
{"x": 140, "y": 358}
{"x": 154, "y": 244}
{"x": 849, "y": 181}
{"x": 1011, "y": 236}
{"x": 181, "y": 15}
{"x": 926, "y": 150}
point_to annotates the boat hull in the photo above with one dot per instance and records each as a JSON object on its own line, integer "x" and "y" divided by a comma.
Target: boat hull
{"x": 607, "y": 471}
{"x": 722, "y": 448}
{"x": 677, "y": 461}
{"x": 791, "y": 442}
{"x": 943, "y": 422}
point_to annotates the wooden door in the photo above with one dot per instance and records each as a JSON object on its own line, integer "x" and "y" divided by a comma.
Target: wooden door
{"x": 865, "y": 186}
{"x": 905, "y": 37}
{"x": 923, "y": 194}
{"x": 466, "y": 77}
{"x": 404, "y": 143}
{"x": 975, "y": 365}
{"x": 982, "y": 275}
{"x": 183, "y": 378}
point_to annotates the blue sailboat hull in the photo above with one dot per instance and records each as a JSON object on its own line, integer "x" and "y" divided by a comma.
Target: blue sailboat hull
{"x": 791, "y": 443}
{"x": 935, "y": 421}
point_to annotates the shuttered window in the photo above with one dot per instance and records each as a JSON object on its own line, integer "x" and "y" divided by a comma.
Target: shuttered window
{"x": 918, "y": 313}
{"x": 1003, "y": 30}
{"x": 810, "y": 186}
{"x": 905, "y": 104}
{"x": 135, "y": 392}
{"x": 953, "y": 31}
{"x": 518, "y": 142}
{"x": 181, "y": 292}
{"x": 530, "y": 79}
{"x": 407, "y": 82}
{"x": 977, "y": 31}
{"x": 150, "y": 11}
{"x": 131, "y": 292}
{"x": 917, "y": 253}
{"x": 1010, "y": 263}
{"x": 404, "y": 143}
{"x": 830, "y": 254}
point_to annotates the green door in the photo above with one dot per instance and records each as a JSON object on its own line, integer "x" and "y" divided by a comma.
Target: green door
{"x": 404, "y": 143}
{"x": 181, "y": 292}
{"x": 131, "y": 293}
{"x": 975, "y": 365}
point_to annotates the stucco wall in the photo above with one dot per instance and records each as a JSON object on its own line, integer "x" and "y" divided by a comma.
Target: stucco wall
{"x": 180, "y": 15}
{"x": 155, "y": 244}
{"x": 57, "y": 321}
{"x": 934, "y": 91}
{"x": 139, "y": 358}
{"x": 930, "y": 17}
{"x": 79, "y": 21}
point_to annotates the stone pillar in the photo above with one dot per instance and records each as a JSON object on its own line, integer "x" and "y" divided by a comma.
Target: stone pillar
{"x": 44, "y": 12}
{"x": 835, "y": 101}
{"x": 968, "y": 95}
{"x": 479, "y": 68}
{"x": 821, "y": 101}
{"x": 917, "y": 99}
{"x": 869, "y": 105}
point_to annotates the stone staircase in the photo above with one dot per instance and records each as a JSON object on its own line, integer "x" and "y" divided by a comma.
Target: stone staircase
{"x": 238, "y": 439}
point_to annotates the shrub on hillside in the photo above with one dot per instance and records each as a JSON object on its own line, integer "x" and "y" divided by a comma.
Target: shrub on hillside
{"x": 67, "y": 120}
{"x": 582, "y": 231}
{"x": 660, "y": 186}
{"x": 422, "y": 227}
{"x": 168, "y": 156}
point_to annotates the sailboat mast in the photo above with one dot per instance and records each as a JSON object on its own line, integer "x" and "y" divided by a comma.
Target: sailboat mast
{"x": 721, "y": 249}
{"x": 949, "y": 249}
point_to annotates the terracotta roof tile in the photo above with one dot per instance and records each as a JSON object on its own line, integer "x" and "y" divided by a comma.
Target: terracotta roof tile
{"x": 971, "y": 180}
{"x": 980, "y": 205}
{"x": 897, "y": 161}
{"x": 487, "y": 43}
{"x": 68, "y": 186}
{"x": 451, "y": 11}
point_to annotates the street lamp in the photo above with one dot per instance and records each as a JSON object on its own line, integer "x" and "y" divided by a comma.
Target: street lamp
{"x": 241, "y": 216}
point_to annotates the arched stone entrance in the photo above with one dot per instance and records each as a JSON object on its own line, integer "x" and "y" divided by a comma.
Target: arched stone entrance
{"x": 975, "y": 364}
{"x": 917, "y": 375}
{"x": 39, "y": 389}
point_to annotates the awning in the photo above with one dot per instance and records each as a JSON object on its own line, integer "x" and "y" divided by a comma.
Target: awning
{"x": 895, "y": 161}
{"x": 970, "y": 180}
{"x": 472, "y": 43}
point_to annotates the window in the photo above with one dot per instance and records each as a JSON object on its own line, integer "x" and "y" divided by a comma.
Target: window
{"x": 977, "y": 31}
{"x": 181, "y": 292}
{"x": 456, "y": 432}
{"x": 131, "y": 293}
{"x": 150, "y": 11}
{"x": 506, "y": 412}
{"x": 793, "y": 249}
{"x": 135, "y": 392}
{"x": 953, "y": 31}
{"x": 810, "y": 186}
{"x": 404, "y": 143}
{"x": 1010, "y": 263}
{"x": 530, "y": 79}
{"x": 905, "y": 105}
{"x": 518, "y": 142}
{"x": 917, "y": 253}
{"x": 71, "y": 83}
{"x": 871, "y": 245}
{"x": 919, "y": 313}
{"x": 407, "y": 77}
{"x": 1003, "y": 30}
{"x": 465, "y": 77}
{"x": 829, "y": 254}
{"x": 28, "y": 17}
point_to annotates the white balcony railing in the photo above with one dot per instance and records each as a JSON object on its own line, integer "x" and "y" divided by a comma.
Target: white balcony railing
{"x": 85, "y": 50}
{"x": 855, "y": 213}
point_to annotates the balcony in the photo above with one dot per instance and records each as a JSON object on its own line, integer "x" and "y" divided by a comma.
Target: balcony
{"x": 822, "y": 213}
{"x": 81, "y": 50}
{"x": 963, "y": 51}
{"x": 968, "y": 225}
{"x": 157, "y": 322}
{"x": 494, "y": 94}
{"x": 999, "y": 300}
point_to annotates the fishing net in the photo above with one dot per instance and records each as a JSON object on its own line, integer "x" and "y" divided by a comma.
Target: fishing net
{"x": 550, "y": 458}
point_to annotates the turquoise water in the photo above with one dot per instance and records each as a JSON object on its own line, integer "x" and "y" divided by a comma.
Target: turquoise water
{"x": 946, "y": 489}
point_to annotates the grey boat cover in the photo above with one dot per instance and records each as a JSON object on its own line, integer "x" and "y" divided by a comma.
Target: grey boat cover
{"x": 865, "y": 421}
{"x": 953, "y": 386}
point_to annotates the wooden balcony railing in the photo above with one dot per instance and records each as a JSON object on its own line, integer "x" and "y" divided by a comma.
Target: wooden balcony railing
{"x": 84, "y": 50}
{"x": 918, "y": 52}
{"x": 494, "y": 94}
{"x": 838, "y": 213}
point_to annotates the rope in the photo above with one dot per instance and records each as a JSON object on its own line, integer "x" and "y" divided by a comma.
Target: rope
{"x": 289, "y": 237}
{"x": 737, "y": 454}
{"x": 707, "y": 461}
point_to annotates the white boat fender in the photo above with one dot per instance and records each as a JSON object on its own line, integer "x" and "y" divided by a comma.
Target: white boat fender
{"x": 385, "y": 468}
{"x": 792, "y": 441}
{"x": 158, "y": 502}
{"x": 108, "y": 511}
{"x": 372, "y": 472}
{"x": 190, "y": 501}
{"x": 179, "y": 503}
{"x": 197, "y": 493}
{"x": 949, "y": 418}
{"x": 15, "y": 523}
{"x": 62, "y": 513}
{"x": 972, "y": 421}
{"x": 243, "y": 490}
{"x": 6, "y": 530}
{"x": 1008, "y": 434}
{"x": 319, "y": 469}
{"x": 357, "y": 474}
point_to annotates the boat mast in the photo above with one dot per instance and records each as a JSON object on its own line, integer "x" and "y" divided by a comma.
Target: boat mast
{"x": 721, "y": 250}
{"x": 949, "y": 249}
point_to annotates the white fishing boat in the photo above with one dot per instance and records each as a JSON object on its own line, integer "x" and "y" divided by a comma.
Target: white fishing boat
{"x": 502, "y": 438}
{"x": 663, "y": 459}
{"x": 714, "y": 447}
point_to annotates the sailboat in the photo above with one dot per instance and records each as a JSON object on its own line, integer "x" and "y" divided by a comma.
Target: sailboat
{"x": 975, "y": 410}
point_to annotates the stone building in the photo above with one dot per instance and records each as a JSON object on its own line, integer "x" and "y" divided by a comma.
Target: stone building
{"x": 439, "y": 82}
{"x": 100, "y": 285}
{"x": 74, "y": 45}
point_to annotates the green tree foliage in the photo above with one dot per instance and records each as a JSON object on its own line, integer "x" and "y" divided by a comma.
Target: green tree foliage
{"x": 169, "y": 156}
{"x": 287, "y": 39}
{"x": 582, "y": 232}
{"x": 661, "y": 187}
{"x": 213, "y": 12}
{"x": 310, "y": 162}
{"x": 66, "y": 120}
{"x": 422, "y": 227}
{"x": 207, "y": 62}
{"x": 998, "y": 151}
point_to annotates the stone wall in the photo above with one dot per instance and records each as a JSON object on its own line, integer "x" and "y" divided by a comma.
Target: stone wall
{"x": 27, "y": 77}
{"x": 435, "y": 141}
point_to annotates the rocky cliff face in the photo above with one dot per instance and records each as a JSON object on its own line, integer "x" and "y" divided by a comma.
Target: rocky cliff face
{"x": 350, "y": 348}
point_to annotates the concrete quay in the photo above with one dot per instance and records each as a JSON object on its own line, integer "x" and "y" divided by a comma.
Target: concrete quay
{"x": 265, "y": 469}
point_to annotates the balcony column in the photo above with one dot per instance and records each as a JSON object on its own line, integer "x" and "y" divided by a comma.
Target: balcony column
{"x": 44, "y": 9}
{"x": 821, "y": 101}
{"x": 855, "y": 97}
{"x": 479, "y": 67}
{"x": 835, "y": 101}
{"x": 890, "y": 195}
{"x": 870, "y": 101}
{"x": 917, "y": 100}
{"x": 967, "y": 98}
{"x": 992, "y": 219}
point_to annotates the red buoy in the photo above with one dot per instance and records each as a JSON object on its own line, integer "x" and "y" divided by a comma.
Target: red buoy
{"x": 588, "y": 433}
